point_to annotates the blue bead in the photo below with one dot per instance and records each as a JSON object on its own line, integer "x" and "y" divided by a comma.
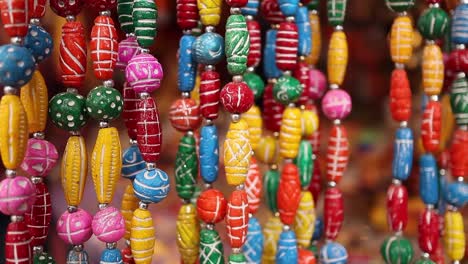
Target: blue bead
{"x": 403, "y": 153}
{"x": 287, "y": 248}
{"x": 443, "y": 194}
{"x": 460, "y": 25}
{"x": 17, "y": 65}
{"x": 251, "y": 9}
{"x": 132, "y": 162}
{"x": 77, "y": 257}
{"x": 39, "y": 42}
{"x": 304, "y": 31}
{"x": 253, "y": 246}
{"x": 269, "y": 56}
{"x": 111, "y": 256}
{"x": 151, "y": 186}
{"x": 457, "y": 194}
{"x": 428, "y": 180}
{"x": 333, "y": 253}
{"x": 187, "y": 65}
{"x": 318, "y": 230}
{"x": 424, "y": 101}
{"x": 288, "y": 7}
{"x": 209, "y": 48}
{"x": 209, "y": 153}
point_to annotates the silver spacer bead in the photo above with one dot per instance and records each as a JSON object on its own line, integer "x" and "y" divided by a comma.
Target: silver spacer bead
{"x": 35, "y": 21}
{"x": 208, "y": 122}
{"x": 75, "y": 133}
{"x": 402, "y": 13}
{"x": 235, "y": 10}
{"x": 186, "y": 201}
{"x": 236, "y": 250}
{"x": 16, "y": 40}
{"x": 314, "y": 157}
{"x": 240, "y": 187}
{"x": 249, "y": 18}
{"x": 108, "y": 83}
{"x": 250, "y": 215}
{"x": 461, "y": 75}
{"x": 430, "y": 206}
{"x": 10, "y": 90}
{"x": 70, "y": 18}
{"x": 460, "y": 46}
{"x": 290, "y": 19}
{"x": 334, "y": 86}
{"x": 105, "y": 13}
{"x": 150, "y": 165}
{"x": 291, "y": 105}
{"x": 133, "y": 142}
{"x": 237, "y": 78}
{"x": 331, "y": 184}
{"x": 209, "y": 226}
{"x": 456, "y": 262}
{"x": 277, "y": 214}
{"x": 103, "y": 124}
{"x": 425, "y": 255}
{"x": 209, "y": 29}
{"x": 143, "y": 50}
{"x": 187, "y": 31}
{"x": 339, "y": 28}
{"x": 143, "y": 205}
{"x": 72, "y": 208}
{"x": 442, "y": 172}
{"x": 235, "y": 118}
{"x": 463, "y": 127}
{"x": 130, "y": 35}
{"x": 16, "y": 218}
{"x": 434, "y": 98}
{"x": 111, "y": 245}
{"x": 10, "y": 173}
{"x": 102, "y": 206}
{"x": 185, "y": 95}
{"x": 38, "y": 249}
{"x": 314, "y": 12}
{"x": 190, "y": 133}
{"x": 286, "y": 228}
{"x": 207, "y": 186}
{"x": 250, "y": 69}
{"x": 288, "y": 160}
{"x": 400, "y": 66}
{"x": 337, "y": 122}
{"x": 38, "y": 135}
{"x": 127, "y": 242}
{"x": 429, "y": 42}
{"x": 72, "y": 90}
{"x": 460, "y": 179}
{"x": 78, "y": 248}
{"x": 287, "y": 73}
{"x": 435, "y": 5}
{"x": 144, "y": 95}
{"x": 36, "y": 180}
{"x": 404, "y": 124}
{"x": 276, "y": 134}
{"x": 396, "y": 182}
{"x": 209, "y": 67}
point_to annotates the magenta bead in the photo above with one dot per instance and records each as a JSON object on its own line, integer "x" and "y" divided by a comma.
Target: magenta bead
{"x": 336, "y": 104}
{"x": 109, "y": 225}
{"x": 41, "y": 156}
{"x": 317, "y": 84}
{"x": 144, "y": 73}
{"x": 75, "y": 228}
{"x": 17, "y": 195}
{"x": 128, "y": 48}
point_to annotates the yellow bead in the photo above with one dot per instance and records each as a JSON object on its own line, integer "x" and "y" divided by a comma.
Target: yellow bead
{"x": 401, "y": 40}
{"x": 237, "y": 151}
{"x": 448, "y": 122}
{"x": 106, "y": 163}
{"x": 290, "y": 133}
{"x": 337, "y": 58}
{"x": 129, "y": 204}
{"x": 35, "y": 100}
{"x": 188, "y": 234}
{"x": 454, "y": 235}
{"x": 13, "y": 131}
{"x": 266, "y": 150}
{"x": 309, "y": 122}
{"x": 432, "y": 70}
{"x": 271, "y": 233}
{"x": 142, "y": 237}
{"x": 74, "y": 170}
{"x": 316, "y": 39}
{"x": 210, "y": 11}
{"x": 253, "y": 119}
{"x": 304, "y": 223}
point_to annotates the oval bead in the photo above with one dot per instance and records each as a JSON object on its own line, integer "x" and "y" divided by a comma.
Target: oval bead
{"x": 237, "y": 218}
{"x": 255, "y": 52}
{"x": 145, "y": 15}
{"x": 271, "y": 184}
{"x": 17, "y": 243}
{"x": 37, "y": 8}
{"x": 132, "y": 162}
{"x": 187, "y": 70}
{"x": 459, "y": 154}
{"x": 289, "y": 193}
{"x": 290, "y": 133}
{"x": 428, "y": 228}
{"x": 128, "y": 48}
{"x": 333, "y": 253}
{"x": 209, "y": 153}
{"x": 287, "y": 248}
{"x": 78, "y": 257}
{"x": 17, "y": 195}
{"x": 272, "y": 112}
{"x": 188, "y": 233}
{"x": 397, "y": 249}
{"x": 151, "y": 186}
{"x": 318, "y": 229}
{"x": 271, "y": 12}
{"x": 403, "y": 148}
{"x": 301, "y": 73}
{"x": 337, "y": 57}
{"x": 210, "y": 11}
{"x": 253, "y": 246}
{"x": 144, "y": 73}
{"x": 270, "y": 69}
{"x": 397, "y": 207}
{"x": 428, "y": 179}
{"x": 40, "y": 158}
{"x": 15, "y": 17}
{"x": 399, "y": 5}
{"x": 211, "y": 247}
{"x": 186, "y": 167}
{"x": 34, "y": 97}
{"x": 333, "y": 213}
{"x": 271, "y": 232}
{"x": 208, "y": 48}
{"x": 337, "y": 153}
{"x": 288, "y": 7}
{"x": 75, "y": 228}
{"x": 17, "y": 65}
{"x": 108, "y": 225}
{"x": 305, "y": 163}
{"x": 460, "y": 24}
{"x": 104, "y": 47}
{"x": 250, "y": 9}
{"x": 400, "y": 96}
{"x": 142, "y": 238}
{"x": 304, "y": 223}
{"x": 209, "y": 94}
{"x": 128, "y": 205}
{"x": 304, "y": 31}
{"x": 253, "y": 186}
{"x": 266, "y": 150}
{"x": 187, "y": 14}
{"x": 255, "y": 84}
{"x": 149, "y": 134}
{"x": 401, "y": 39}
{"x": 459, "y": 91}
{"x": 39, "y": 42}
{"x": 457, "y": 194}
{"x": 287, "y": 90}
{"x": 73, "y": 54}
{"x": 255, "y": 123}
{"x": 237, "y": 44}
{"x": 457, "y": 62}
{"x": 336, "y": 104}
{"x": 317, "y": 84}
{"x": 39, "y": 217}
{"x": 306, "y": 256}
{"x": 74, "y": 170}
{"x": 236, "y": 97}
{"x": 454, "y": 235}
{"x": 184, "y": 115}
{"x": 309, "y": 122}
{"x": 66, "y": 8}
{"x": 316, "y": 39}
{"x": 111, "y": 256}
{"x": 433, "y": 23}
{"x": 125, "y": 10}
{"x": 431, "y": 126}
{"x": 433, "y": 70}
{"x": 336, "y": 11}
{"x": 211, "y": 206}
{"x": 237, "y": 151}
{"x": 286, "y": 46}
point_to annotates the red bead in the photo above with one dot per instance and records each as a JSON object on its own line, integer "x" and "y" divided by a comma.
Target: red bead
{"x": 337, "y": 153}
{"x": 17, "y": 244}
{"x": 130, "y": 111}
{"x": 73, "y": 54}
{"x": 444, "y": 159}
{"x": 38, "y": 219}
{"x": 286, "y": 46}
{"x": 236, "y": 3}
{"x": 211, "y": 206}
{"x": 149, "y": 135}
{"x": 458, "y": 60}
{"x": 400, "y": 96}
{"x": 439, "y": 255}
{"x": 209, "y": 94}
{"x": 253, "y": 185}
{"x": 301, "y": 73}
{"x": 185, "y": 115}
{"x": 397, "y": 207}
{"x": 431, "y": 126}
{"x": 433, "y": 1}
{"x": 306, "y": 256}
{"x": 65, "y": 8}
{"x": 428, "y": 228}
{"x": 289, "y": 193}
{"x": 104, "y": 46}
{"x": 15, "y": 17}
{"x": 459, "y": 154}
{"x": 187, "y": 14}
{"x": 237, "y": 97}
{"x": 449, "y": 74}
{"x": 101, "y": 5}
{"x": 333, "y": 215}
{"x": 315, "y": 186}
{"x": 237, "y": 218}
{"x": 255, "y": 51}
{"x": 37, "y": 8}
{"x": 272, "y": 113}
{"x": 271, "y": 11}
{"x": 127, "y": 257}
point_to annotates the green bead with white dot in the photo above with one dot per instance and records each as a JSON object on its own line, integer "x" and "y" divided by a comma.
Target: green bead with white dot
{"x": 43, "y": 258}
{"x": 104, "y": 103}
{"x": 67, "y": 111}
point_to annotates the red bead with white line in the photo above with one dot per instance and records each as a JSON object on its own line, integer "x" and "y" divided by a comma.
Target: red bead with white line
{"x": 397, "y": 207}
{"x": 73, "y": 54}
{"x": 253, "y": 185}
{"x": 38, "y": 218}
{"x": 337, "y": 153}
{"x": 187, "y": 14}
{"x": 209, "y": 94}
{"x": 149, "y": 134}
{"x": 255, "y": 51}
{"x": 184, "y": 115}
{"x": 237, "y": 218}
{"x": 15, "y": 17}
{"x": 431, "y": 126}
{"x": 333, "y": 212}
{"x": 18, "y": 244}
{"x": 211, "y": 206}
{"x": 286, "y": 46}
{"x": 428, "y": 228}
{"x": 104, "y": 47}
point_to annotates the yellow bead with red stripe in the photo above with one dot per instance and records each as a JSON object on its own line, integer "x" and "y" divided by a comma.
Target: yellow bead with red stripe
{"x": 254, "y": 120}
{"x": 142, "y": 237}
{"x": 266, "y": 150}
{"x": 129, "y": 204}
{"x": 35, "y": 100}
{"x": 188, "y": 234}
{"x": 290, "y": 133}
{"x": 271, "y": 233}
{"x": 454, "y": 235}
{"x": 74, "y": 170}
{"x": 401, "y": 40}
{"x": 309, "y": 122}
{"x": 432, "y": 70}
{"x": 210, "y": 11}
{"x": 316, "y": 39}
{"x": 237, "y": 151}
{"x": 304, "y": 223}
{"x": 337, "y": 58}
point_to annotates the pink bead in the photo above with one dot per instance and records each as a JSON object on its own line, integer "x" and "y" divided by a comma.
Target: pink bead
{"x": 144, "y": 73}
{"x": 75, "y": 228}
{"x": 128, "y": 48}
{"x": 109, "y": 225}
{"x": 41, "y": 156}
{"x": 17, "y": 195}
{"x": 336, "y": 104}
{"x": 317, "y": 84}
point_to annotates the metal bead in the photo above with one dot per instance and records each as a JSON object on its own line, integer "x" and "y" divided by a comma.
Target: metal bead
{"x": 209, "y": 29}
{"x": 36, "y": 180}
{"x": 396, "y": 182}
{"x": 404, "y": 124}
{"x": 402, "y": 13}
{"x": 209, "y": 226}
{"x": 235, "y": 10}
{"x": 434, "y": 98}
{"x": 207, "y": 186}
{"x": 108, "y": 83}
{"x": 400, "y": 66}
{"x": 240, "y": 187}
{"x": 334, "y": 86}
{"x": 70, "y": 18}
{"x": 103, "y": 124}
{"x": 75, "y": 133}
{"x": 16, "y": 40}
{"x": 209, "y": 68}
{"x": 142, "y": 50}
{"x": 133, "y": 142}
{"x": 78, "y": 248}
{"x": 460, "y": 179}
{"x": 208, "y": 122}
{"x": 337, "y": 122}
{"x": 72, "y": 90}
{"x": 290, "y": 19}
{"x": 286, "y": 228}
{"x": 111, "y": 245}
{"x": 39, "y": 135}
{"x": 235, "y": 118}
{"x": 34, "y": 21}
{"x": 143, "y": 205}
{"x": 16, "y": 218}
{"x": 10, "y": 90}
{"x": 236, "y": 250}
{"x": 237, "y": 78}
{"x": 339, "y": 28}
{"x": 190, "y": 133}
{"x": 144, "y": 95}
{"x": 331, "y": 184}
{"x": 10, "y": 173}
{"x": 105, "y": 13}
{"x": 102, "y": 206}
{"x": 461, "y": 75}
{"x": 460, "y": 46}
{"x": 38, "y": 249}
{"x": 185, "y": 95}
{"x": 150, "y": 166}
{"x": 71, "y": 208}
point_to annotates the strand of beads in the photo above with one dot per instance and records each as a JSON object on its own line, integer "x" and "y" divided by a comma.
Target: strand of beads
{"x": 397, "y": 249}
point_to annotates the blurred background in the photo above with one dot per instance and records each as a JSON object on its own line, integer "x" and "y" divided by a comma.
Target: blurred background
{"x": 370, "y": 129}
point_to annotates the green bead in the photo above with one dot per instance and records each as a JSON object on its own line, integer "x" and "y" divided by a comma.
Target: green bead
{"x": 104, "y": 103}
{"x": 313, "y": 5}
{"x": 287, "y": 90}
{"x": 255, "y": 83}
{"x": 145, "y": 15}
{"x": 314, "y": 249}
{"x": 125, "y": 10}
{"x": 399, "y": 5}
{"x": 270, "y": 184}
{"x": 186, "y": 167}
{"x": 305, "y": 163}
{"x": 458, "y": 100}
{"x": 211, "y": 248}
{"x": 397, "y": 250}
{"x": 433, "y": 23}
{"x": 43, "y": 258}
{"x": 336, "y": 12}
{"x": 67, "y": 111}
{"x": 237, "y": 259}
{"x": 237, "y": 44}
{"x": 424, "y": 261}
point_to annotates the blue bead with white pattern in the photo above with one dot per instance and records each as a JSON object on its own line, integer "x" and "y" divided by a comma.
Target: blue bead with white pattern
{"x": 457, "y": 194}
{"x": 151, "y": 186}
{"x": 318, "y": 230}
{"x": 333, "y": 253}
{"x": 286, "y": 252}
{"x": 460, "y": 25}
{"x": 251, "y": 8}
{"x": 111, "y": 256}
{"x": 288, "y": 7}
{"x": 428, "y": 179}
{"x": 304, "y": 31}
{"x": 17, "y": 65}
{"x": 269, "y": 55}
{"x": 403, "y": 153}
{"x": 132, "y": 162}
{"x": 208, "y": 48}
{"x": 77, "y": 257}
{"x": 209, "y": 153}
{"x": 187, "y": 70}
{"x": 39, "y": 42}
{"x": 253, "y": 246}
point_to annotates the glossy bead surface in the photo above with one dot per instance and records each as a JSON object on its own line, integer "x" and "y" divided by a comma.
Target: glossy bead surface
{"x": 210, "y": 11}
{"x": 401, "y": 39}
{"x": 237, "y": 44}
{"x": 336, "y": 104}
{"x": 397, "y": 207}
{"x": 127, "y": 207}
{"x": 270, "y": 69}
{"x": 108, "y": 225}
{"x": 272, "y": 112}
{"x": 73, "y": 53}
{"x": 236, "y": 97}
{"x": 237, "y": 218}
{"x": 128, "y": 48}
{"x": 151, "y": 186}
{"x": 149, "y": 135}
{"x": 271, "y": 184}
{"x": 40, "y": 158}
{"x": 289, "y": 193}
{"x": 428, "y": 182}
{"x": 209, "y": 94}
{"x": 208, "y": 48}
{"x": 288, "y": 7}
{"x": 433, "y": 70}
{"x": 209, "y": 153}
{"x": 304, "y": 31}
{"x": 37, "y": 8}
{"x": 400, "y": 96}
{"x": 403, "y": 148}
{"x": 306, "y": 256}
{"x": 188, "y": 233}
{"x": 144, "y": 73}
{"x": 309, "y": 122}
{"x": 75, "y": 228}
{"x": 431, "y": 126}
{"x": 211, "y": 206}
{"x": 132, "y": 162}
{"x": 39, "y": 217}
{"x": 250, "y": 9}
{"x": 287, "y": 90}
{"x": 286, "y": 46}
{"x": 187, "y": 14}
{"x": 79, "y": 257}
{"x": 43, "y": 258}
{"x": 39, "y": 43}
{"x": 333, "y": 212}
{"x": 337, "y": 57}
{"x": 428, "y": 228}
{"x": 17, "y": 244}
{"x": 458, "y": 61}
{"x": 255, "y": 52}
{"x": 333, "y": 253}
{"x": 142, "y": 238}
{"x": 433, "y": 23}
{"x": 187, "y": 70}
{"x": 459, "y": 91}
{"x": 305, "y": 163}
{"x": 304, "y": 223}
{"x": 125, "y": 10}
{"x": 145, "y": 15}
{"x": 315, "y": 186}
{"x": 237, "y": 152}
{"x": 186, "y": 167}
{"x": 454, "y": 235}
{"x": 15, "y": 17}
{"x": 459, "y": 154}
{"x": 67, "y": 111}
{"x": 253, "y": 246}
{"x": 34, "y": 97}
{"x": 104, "y": 103}
{"x": 271, "y": 12}
{"x": 460, "y": 24}
{"x": 74, "y": 170}
{"x": 399, "y": 5}
{"x": 290, "y": 133}
{"x": 271, "y": 232}
{"x": 253, "y": 186}
{"x": 104, "y": 47}
{"x": 211, "y": 247}
{"x": 336, "y": 11}
{"x": 65, "y": 8}
{"x": 287, "y": 248}
{"x": 337, "y": 153}
{"x": 17, "y": 195}
{"x": 17, "y": 65}
{"x": 397, "y": 249}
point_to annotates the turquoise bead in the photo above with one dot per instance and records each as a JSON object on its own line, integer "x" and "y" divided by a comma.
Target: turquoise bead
{"x": 287, "y": 248}
{"x": 333, "y": 253}
{"x": 237, "y": 44}
{"x": 67, "y": 111}
{"x": 151, "y": 186}
{"x": 111, "y": 256}
{"x": 104, "y": 103}
{"x": 208, "y": 48}
{"x": 17, "y": 65}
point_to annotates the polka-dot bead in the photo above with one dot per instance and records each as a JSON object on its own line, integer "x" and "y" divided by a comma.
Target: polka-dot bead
{"x": 151, "y": 186}
{"x": 67, "y": 111}
{"x": 237, "y": 97}
{"x": 75, "y": 228}
{"x": 333, "y": 253}
{"x": 17, "y": 65}
{"x": 65, "y": 8}
{"x": 336, "y": 104}
{"x": 101, "y": 5}
{"x": 41, "y": 156}
{"x": 144, "y": 73}
{"x": 104, "y": 103}
{"x": 208, "y": 48}
{"x": 108, "y": 225}
{"x": 39, "y": 42}
{"x": 128, "y": 48}
{"x": 17, "y": 195}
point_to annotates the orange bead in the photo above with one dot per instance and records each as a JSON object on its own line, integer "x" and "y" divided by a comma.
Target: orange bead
{"x": 289, "y": 193}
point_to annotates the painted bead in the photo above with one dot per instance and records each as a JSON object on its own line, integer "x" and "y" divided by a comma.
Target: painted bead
{"x": 67, "y": 111}
{"x": 75, "y": 228}
{"x": 286, "y": 46}
{"x": 287, "y": 90}
{"x": 336, "y": 10}
{"x": 186, "y": 167}
{"x": 255, "y": 52}
{"x": 149, "y": 134}
{"x": 304, "y": 223}
{"x": 270, "y": 69}
{"x": 266, "y": 150}
{"x": 238, "y": 258}
{"x": 301, "y": 73}
{"x": 17, "y": 244}
{"x": 125, "y": 10}
{"x": 111, "y": 256}
{"x": 184, "y": 115}
{"x": 208, "y": 48}
{"x": 271, "y": 12}
{"x": 237, "y": 44}
{"x": 336, "y": 104}
{"x": 454, "y": 235}
{"x": 306, "y": 257}
{"x": 433, "y": 70}
{"x": 459, "y": 24}
{"x": 316, "y": 39}
{"x": 37, "y": 8}
{"x": 41, "y": 156}
{"x": 333, "y": 253}
{"x": 428, "y": 228}
{"x": 290, "y": 133}
{"x": 428, "y": 182}
{"x": 337, "y": 153}
{"x": 43, "y": 258}
{"x": 401, "y": 39}
{"x": 187, "y": 14}
{"x": 433, "y": 23}
{"x": 39, "y": 42}
{"x": 15, "y": 17}
{"x": 104, "y": 103}
{"x": 73, "y": 53}
{"x": 424, "y": 261}
{"x": 237, "y": 218}
{"x": 457, "y": 194}
{"x": 459, "y": 91}
{"x": 17, "y": 195}
{"x": 145, "y": 15}
{"x": 304, "y": 31}
{"x": 312, "y": 4}
{"x": 333, "y": 212}
{"x": 309, "y": 122}
{"x": 132, "y": 162}
{"x": 305, "y": 163}
{"x": 66, "y": 8}
{"x": 431, "y": 126}
{"x": 128, "y": 48}
{"x": 210, "y": 11}
{"x": 272, "y": 112}
{"x": 188, "y": 233}
{"x": 255, "y": 83}
{"x": 397, "y": 249}
{"x": 271, "y": 232}
{"x": 289, "y": 193}
{"x": 39, "y": 217}
{"x": 108, "y": 225}
{"x": 237, "y": 152}
{"x": 34, "y": 97}
{"x": 253, "y": 186}
{"x": 74, "y": 170}
{"x": 253, "y": 246}
{"x": 104, "y": 47}
{"x": 400, "y": 96}
{"x": 402, "y": 153}
{"x": 101, "y": 5}
{"x": 144, "y": 73}
{"x": 130, "y": 110}
{"x": 127, "y": 257}
{"x": 209, "y": 153}
{"x": 211, "y": 206}
{"x": 128, "y": 205}
{"x": 459, "y": 154}
{"x": 317, "y": 84}
{"x": 318, "y": 229}
{"x": 78, "y": 257}
{"x": 187, "y": 70}
{"x": 255, "y": 123}
{"x": 397, "y": 207}
{"x": 209, "y": 94}
{"x": 211, "y": 247}
{"x": 142, "y": 236}
{"x": 151, "y": 186}
{"x": 17, "y": 65}
{"x": 251, "y": 9}
{"x": 289, "y": 7}
{"x": 399, "y": 5}
{"x": 458, "y": 61}
{"x": 338, "y": 57}
{"x": 315, "y": 186}
{"x": 287, "y": 248}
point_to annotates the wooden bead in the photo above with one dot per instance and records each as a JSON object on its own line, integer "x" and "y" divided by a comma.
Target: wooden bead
{"x": 253, "y": 186}
{"x": 271, "y": 183}
{"x": 142, "y": 237}
{"x": 433, "y": 70}
{"x": 271, "y": 12}
{"x": 305, "y": 163}
{"x": 287, "y": 248}
{"x": 209, "y": 94}
{"x": 104, "y": 47}
{"x": 337, "y": 153}
{"x": 209, "y": 153}
{"x": 316, "y": 39}
{"x": 304, "y": 223}
{"x": 187, "y": 14}
{"x": 428, "y": 228}
{"x": 400, "y": 96}
{"x": 289, "y": 193}
{"x": 66, "y": 8}
{"x": 266, "y": 150}
{"x": 18, "y": 244}
{"x": 130, "y": 110}
{"x": 337, "y": 58}
{"x": 211, "y": 247}
{"x": 459, "y": 154}
{"x": 306, "y": 256}
{"x": 336, "y": 10}
{"x": 333, "y": 212}
{"x": 125, "y": 10}
{"x": 272, "y": 110}
{"x": 149, "y": 135}
{"x": 73, "y": 171}
{"x": 255, "y": 51}
{"x": 290, "y": 133}
{"x": 184, "y": 115}
{"x": 145, "y": 15}
{"x": 128, "y": 205}
{"x": 15, "y": 17}
{"x": 210, "y": 11}
{"x": 237, "y": 218}
{"x": 74, "y": 105}
{"x": 254, "y": 120}
{"x": 271, "y": 231}
{"x": 39, "y": 217}
{"x": 188, "y": 233}
{"x": 253, "y": 247}
{"x": 401, "y": 39}
{"x": 73, "y": 54}
{"x": 34, "y": 98}
{"x": 431, "y": 126}
{"x": 397, "y": 207}
{"x": 454, "y": 235}
{"x": 459, "y": 91}
{"x": 186, "y": 167}
{"x": 397, "y": 249}
{"x": 211, "y": 206}
{"x": 237, "y": 151}
{"x": 287, "y": 46}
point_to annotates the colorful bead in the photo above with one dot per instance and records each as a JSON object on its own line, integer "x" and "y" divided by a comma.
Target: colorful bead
{"x": 272, "y": 231}
{"x": 431, "y": 126}
{"x": 459, "y": 154}
{"x": 400, "y": 96}
{"x": 142, "y": 237}
{"x": 456, "y": 194}
{"x": 108, "y": 225}
{"x": 460, "y": 24}
{"x": 145, "y": 15}
{"x": 39, "y": 217}
{"x": 428, "y": 182}
{"x": 428, "y": 228}
{"x": 43, "y": 258}
{"x": 210, "y": 11}
{"x": 104, "y": 103}
{"x": 336, "y": 104}
{"x": 266, "y": 150}
{"x": 301, "y": 73}
{"x": 316, "y": 40}
{"x": 149, "y": 135}
{"x": 336, "y": 10}
{"x": 237, "y": 44}
{"x": 287, "y": 90}
{"x": 397, "y": 207}
{"x": 253, "y": 186}
{"x": 73, "y": 53}
{"x": 41, "y": 156}
{"x": 459, "y": 91}
{"x": 104, "y": 47}
{"x": 272, "y": 110}
{"x": 304, "y": 223}
{"x": 209, "y": 94}
{"x": 128, "y": 206}
{"x": 34, "y": 97}
{"x": 187, "y": 70}
{"x": 211, "y": 247}
{"x": 255, "y": 84}
{"x": 305, "y": 256}
{"x": 399, "y": 5}
{"x": 39, "y": 42}
{"x": 17, "y": 243}
{"x": 315, "y": 186}
{"x": 151, "y": 186}
{"x": 66, "y": 8}
{"x": 271, "y": 184}
{"x": 187, "y": 14}
{"x": 237, "y": 151}
{"x": 68, "y": 111}
{"x": 75, "y": 228}
{"x": 337, "y": 153}
{"x": 125, "y": 10}
{"x": 130, "y": 110}
{"x": 333, "y": 212}
{"x": 237, "y": 259}
{"x": 318, "y": 229}
{"x": 37, "y": 8}
{"x": 186, "y": 167}
{"x": 337, "y": 57}
{"x": 253, "y": 246}
{"x": 17, "y": 195}
{"x": 111, "y": 256}
{"x": 127, "y": 257}
{"x": 289, "y": 193}
{"x": 74, "y": 170}
{"x": 433, "y": 70}
{"x": 15, "y": 17}
{"x": 309, "y": 122}
{"x": 458, "y": 61}
{"x": 237, "y": 218}
{"x": 290, "y": 133}
{"x": 208, "y": 48}
{"x": 17, "y": 65}
{"x": 305, "y": 163}
{"x": 101, "y": 5}
{"x": 397, "y": 249}
{"x": 254, "y": 121}
{"x": 132, "y": 162}
{"x": 255, "y": 36}
{"x": 286, "y": 46}
{"x": 333, "y": 253}
{"x": 251, "y": 8}
{"x": 401, "y": 39}
{"x": 433, "y": 23}
{"x": 402, "y": 153}
{"x": 144, "y": 73}
{"x": 188, "y": 233}
{"x": 271, "y": 12}
{"x": 289, "y": 7}
{"x": 287, "y": 248}
{"x": 209, "y": 153}
{"x": 270, "y": 69}
{"x": 184, "y": 115}
{"x": 128, "y": 48}
{"x": 304, "y": 31}
{"x": 78, "y": 257}
{"x": 317, "y": 84}
{"x": 211, "y": 206}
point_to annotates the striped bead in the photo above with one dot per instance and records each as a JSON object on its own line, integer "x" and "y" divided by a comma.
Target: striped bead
{"x": 337, "y": 58}
{"x": 188, "y": 234}
{"x": 400, "y": 96}
{"x": 255, "y": 123}
{"x": 266, "y": 149}
{"x": 125, "y": 10}
{"x": 253, "y": 186}
{"x": 73, "y": 171}
{"x": 431, "y": 126}
{"x": 432, "y": 70}
{"x": 209, "y": 149}
{"x": 397, "y": 207}
{"x": 186, "y": 167}
{"x": 289, "y": 193}
{"x": 128, "y": 205}
{"x": 187, "y": 66}
{"x": 132, "y": 162}
{"x": 108, "y": 225}
{"x": 428, "y": 181}
{"x": 397, "y": 249}
{"x": 128, "y": 48}
{"x": 460, "y": 24}
{"x": 149, "y": 135}
{"x": 433, "y": 23}
{"x": 336, "y": 10}
{"x": 301, "y": 73}
{"x": 458, "y": 93}
{"x": 288, "y": 7}
{"x": 271, "y": 12}
{"x": 34, "y": 97}
{"x": 104, "y": 47}
{"x": 454, "y": 235}
{"x": 184, "y": 115}
{"x": 333, "y": 213}
{"x": 151, "y": 186}
{"x": 251, "y": 9}
{"x": 237, "y": 151}
{"x": 211, "y": 206}
{"x": 253, "y": 246}
{"x": 73, "y": 54}
{"x": 255, "y": 36}
{"x": 286, "y": 46}
{"x": 317, "y": 84}
{"x": 39, "y": 217}
{"x": 209, "y": 94}
{"x": 287, "y": 248}
{"x": 15, "y": 17}
{"x": 17, "y": 244}
{"x": 305, "y": 163}
{"x": 142, "y": 237}
{"x": 399, "y": 5}
{"x": 237, "y": 218}
{"x": 210, "y": 11}
{"x": 270, "y": 69}
{"x": 237, "y": 44}
{"x": 337, "y": 153}
{"x": 401, "y": 39}
{"x": 187, "y": 14}
{"x": 271, "y": 232}
{"x": 211, "y": 247}
{"x": 145, "y": 15}
{"x": 316, "y": 39}
{"x": 290, "y": 133}
{"x": 271, "y": 184}
{"x": 333, "y": 253}
{"x": 304, "y": 223}
{"x": 429, "y": 232}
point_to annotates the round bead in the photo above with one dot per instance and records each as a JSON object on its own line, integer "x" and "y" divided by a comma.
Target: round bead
{"x": 433, "y": 23}
{"x": 336, "y": 104}
{"x": 104, "y": 47}
{"x": 111, "y": 256}
{"x": 39, "y": 42}
{"x": 287, "y": 90}
{"x": 399, "y": 5}
{"x": 397, "y": 249}
{"x": 237, "y": 97}
{"x": 73, "y": 54}
{"x": 41, "y": 156}
{"x": 317, "y": 84}
{"x": 151, "y": 186}
{"x": 145, "y": 15}
{"x": 17, "y": 65}
{"x": 456, "y": 194}
{"x": 144, "y": 73}
{"x": 43, "y": 258}
{"x": 208, "y": 48}
{"x": 401, "y": 39}
{"x": 17, "y": 195}
{"x": 184, "y": 115}
{"x": 271, "y": 11}
{"x": 255, "y": 83}
{"x": 397, "y": 207}
{"x": 101, "y": 5}
{"x": 187, "y": 14}
{"x": 333, "y": 253}
{"x": 306, "y": 256}
{"x": 287, "y": 46}
{"x": 75, "y": 228}
{"x": 125, "y": 10}
{"x": 132, "y": 162}
{"x": 128, "y": 48}
{"x": 211, "y": 206}
{"x": 104, "y": 103}
{"x": 15, "y": 17}
{"x": 67, "y": 111}
{"x": 65, "y": 8}
{"x": 108, "y": 225}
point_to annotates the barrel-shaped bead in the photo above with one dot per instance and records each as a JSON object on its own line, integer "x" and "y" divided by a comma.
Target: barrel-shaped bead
{"x": 108, "y": 225}
{"x": 128, "y": 205}
{"x": 316, "y": 39}
{"x": 456, "y": 194}
{"x": 104, "y": 47}
{"x": 39, "y": 217}
{"x": 15, "y": 17}
{"x": 73, "y": 54}
{"x": 400, "y": 96}
{"x": 186, "y": 167}
{"x": 397, "y": 207}
{"x": 34, "y": 97}
{"x": 287, "y": 90}
{"x": 187, "y": 14}
{"x": 454, "y": 235}
{"x": 286, "y": 50}
{"x": 144, "y": 73}
{"x": 309, "y": 122}
{"x": 401, "y": 39}
{"x": 304, "y": 223}
{"x": 75, "y": 228}
{"x": 209, "y": 48}
{"x": 399, "y": 5}
{"x": 17, "y": 242}
{"x": 333, "y": 253}
{"x": 432, "y": 69}
{"x": 431, "y": 126}
{"x": 336, "y": 104}
{"x": 266, "y": 149}
{"x": 67, "y": 7}
{"x": 209, "y": 94}
{"x": 271, "y": 182}
{"x": 211, "y": 206}
{"x": 433, "y": 23}
{"x": 403, "y": 148}
{"x": 255, "y": 51}
{"x": 40, "y": 158}
{"x": 460, "y": 24}
{"x": 337, "y": 58}
{"x": 142, "y": 236}
{"x": 237, "y": 218}
{"x": 211, "y": 247}
{"x": 151, "y": 185}
{"x": 39, "y": 42}
{"x": 337, "y": 153}
{"x": 428, "y": 228}
{"x": 253, "y": 246}
{"x": 336, "y": 11}
{"x": 209, "y": 153}
{"x": 272, "y": 113}
{"x": 428, "y": 179}
{"x": 149, "y": 135}
{"x": 301, "y": 73}
{"x": 188, "y": 233}
{"x": 237, "y": 44}
{"x": 290, "y": 133}
{"x": 459, "y": 154}
{"x": 187, "y": 66}
{"x": 18, "y": 65}
{"x": 304, "y": 31}
{"x": 236, "y": 97}
{"x": 254, "y": 121}
{"x": 237, "y": 151}
{"x": 271, "y": 232}
{"x": 271, "y": 12}
{"x": 287, "y": 248}
{"x": 74, "y": 170}
{"x": 333, "y": 212}
{"x": 253, "y": 186}
{"x": 17, "y": 195}
{"x": 289, "y": 193}
{"x": 270, "y": 68}
{"x": 132, "y": 162}
{"x": 184, "y": 115}
{"x": 397, "y": 249}
{"x": 145, "y": 15}
{"x": 251, "y": 8}
{"x": 125, "y": 10}
{"x": 305, "y": 163}
{"x": 459, "y": 91}
{"x": 210, "y": 11}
